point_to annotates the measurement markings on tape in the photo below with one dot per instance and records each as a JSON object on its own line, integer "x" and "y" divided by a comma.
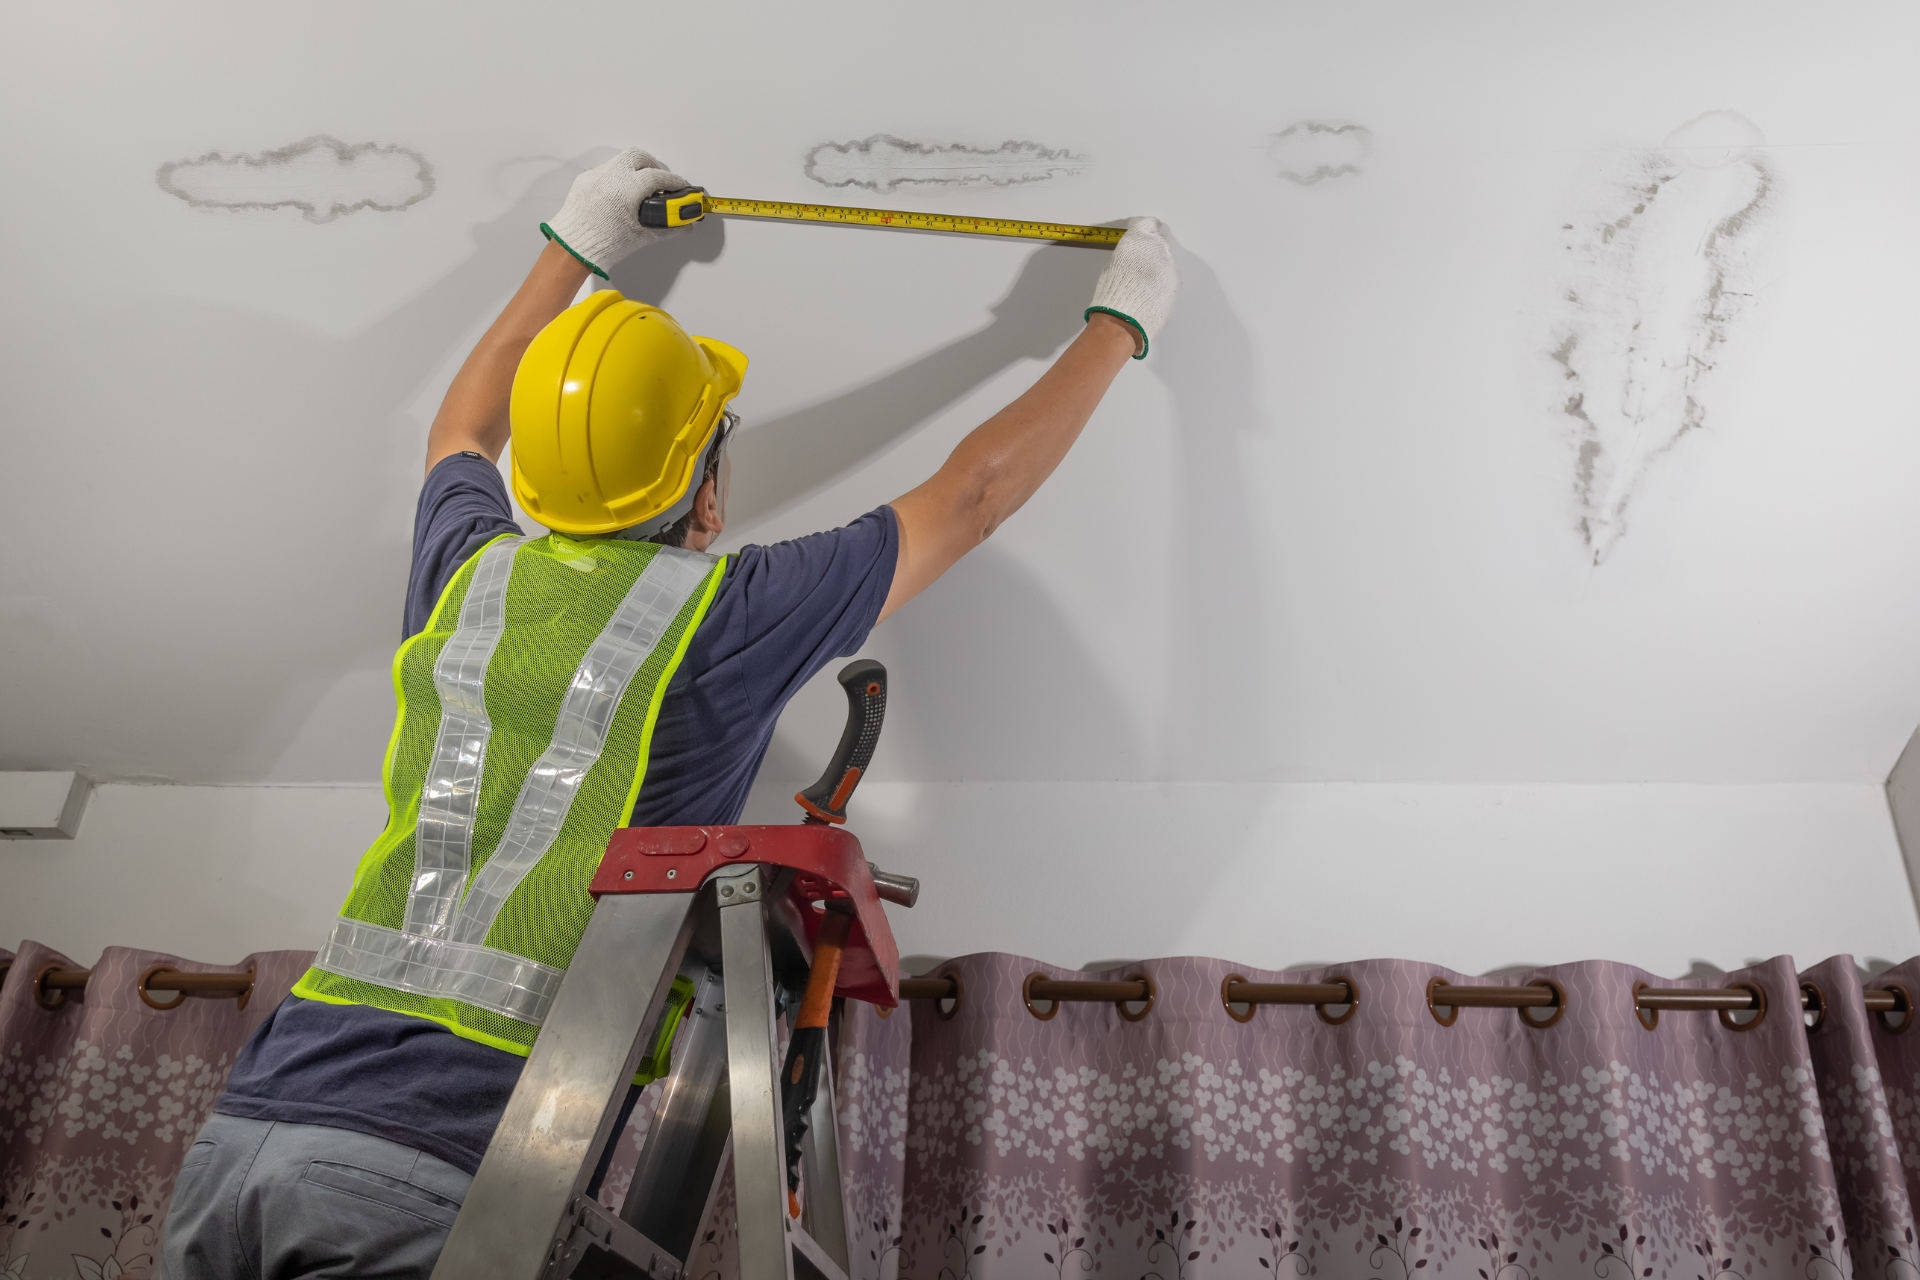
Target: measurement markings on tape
{"x": 917, "y": 221}
{"x": 690, "y": 204}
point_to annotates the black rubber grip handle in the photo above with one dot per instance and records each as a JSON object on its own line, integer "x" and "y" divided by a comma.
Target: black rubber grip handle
{"x": 866, "y": 684}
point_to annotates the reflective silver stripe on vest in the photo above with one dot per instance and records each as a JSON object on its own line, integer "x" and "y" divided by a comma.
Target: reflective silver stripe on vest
{"x": 443, "y": 839}
{"x": 458, "y": 967}
{"x": 506, "y": 984}
{"x": 580, "y": 732}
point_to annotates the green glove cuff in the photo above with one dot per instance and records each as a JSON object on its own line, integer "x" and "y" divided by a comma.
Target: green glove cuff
{"x": 1141, "y": 354}
{"x": 547, "y": 231}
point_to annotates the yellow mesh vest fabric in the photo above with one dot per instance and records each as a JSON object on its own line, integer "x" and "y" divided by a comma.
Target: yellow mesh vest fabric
{"x": 561, "y": 595}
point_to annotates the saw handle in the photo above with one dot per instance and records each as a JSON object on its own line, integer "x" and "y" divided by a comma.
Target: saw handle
{"x": 674, "y": 208}
{"x": 866, "y": 684}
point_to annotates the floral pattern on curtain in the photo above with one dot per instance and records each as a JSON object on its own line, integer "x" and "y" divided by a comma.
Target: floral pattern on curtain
{"x": 1841, "y": 1040}
{"x": 983, "y": 1143}
{"x": 1187, "y": 1145}
{"x": 99, "y": 1101}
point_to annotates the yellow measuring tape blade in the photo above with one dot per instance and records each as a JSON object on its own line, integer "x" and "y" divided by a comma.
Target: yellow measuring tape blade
{"x": 1102, "y": 237}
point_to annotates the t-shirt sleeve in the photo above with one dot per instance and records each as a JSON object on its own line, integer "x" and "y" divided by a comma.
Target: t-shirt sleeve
{"x": 463, "y": 506}
{"x": 799, "y": 605}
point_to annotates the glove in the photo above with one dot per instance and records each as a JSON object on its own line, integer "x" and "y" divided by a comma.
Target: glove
{"x": 1139, "y": 283}
{"x": 600, "y": 222}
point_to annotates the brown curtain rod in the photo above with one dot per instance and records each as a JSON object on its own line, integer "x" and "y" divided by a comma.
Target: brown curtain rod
{"x": 51, "y": 985}
{"x": 1648, "y": 1001}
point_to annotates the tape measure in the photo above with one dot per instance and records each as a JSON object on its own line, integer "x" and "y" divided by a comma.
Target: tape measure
{"x": 690, "y": 204}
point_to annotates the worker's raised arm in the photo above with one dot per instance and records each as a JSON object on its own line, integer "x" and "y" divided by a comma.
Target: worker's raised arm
{"x": 993, "y": 472}
{"x": 597, "y": 226}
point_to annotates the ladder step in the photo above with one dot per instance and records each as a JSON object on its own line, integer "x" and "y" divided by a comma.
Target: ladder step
{"x": 596, "y": 1227}
{"x": 810, "y": 1260}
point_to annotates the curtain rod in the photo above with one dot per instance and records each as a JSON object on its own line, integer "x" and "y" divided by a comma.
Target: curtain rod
{"x": 51, "y": 985}
{"x": 1648, "y": 1001}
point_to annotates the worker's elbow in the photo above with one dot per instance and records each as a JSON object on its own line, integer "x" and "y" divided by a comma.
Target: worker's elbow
{"x": 984, "y": 512}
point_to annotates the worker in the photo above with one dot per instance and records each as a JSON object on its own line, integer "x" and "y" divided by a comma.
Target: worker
{"x": 552, "y": 689}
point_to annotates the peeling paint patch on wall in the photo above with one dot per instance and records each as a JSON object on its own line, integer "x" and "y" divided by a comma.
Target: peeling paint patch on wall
{"x": 1657, "y": 275}
{"x": 1310, "y": 152}
{"x": 883, "y": 162}
{"x": 321, "y": 176}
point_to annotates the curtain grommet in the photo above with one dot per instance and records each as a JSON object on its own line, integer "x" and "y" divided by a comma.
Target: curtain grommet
{"x": 882, "y": 1012}
{"x": 1759, "y": 1010}
{"x": 1649, "y": 1019}
{"x": 1353, "y": 1001}
{"x": 1146, "y": 1006}
{"x": 1559, "y": 1005}
{"x": 43, "y": 997}
{"x": 143, "y": 988}
{"x": 1903, "y": 1003}
{"x": 146, "y": 994}
{"x": 1433, "y": 1006}
{"x": 1811, "y": 994}
{"x": 1227, "y": 1004}
{"x": 959, "y": 990}
{"x": 1026, "y": 998}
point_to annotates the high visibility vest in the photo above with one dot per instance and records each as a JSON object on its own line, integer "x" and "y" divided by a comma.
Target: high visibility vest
{"x": 526, "y": 708}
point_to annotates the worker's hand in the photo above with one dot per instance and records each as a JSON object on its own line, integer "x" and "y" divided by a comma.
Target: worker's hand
{"x": 600, "y": 222}
{"x": 1138, "y": 285}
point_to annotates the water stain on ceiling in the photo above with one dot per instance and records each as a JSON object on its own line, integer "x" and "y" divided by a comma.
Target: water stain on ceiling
{"x": 1310, "y": 152}
{"x": 1657, "y": 275}
{"x": 883, "y": 162}
{"x": 321, "y": 176}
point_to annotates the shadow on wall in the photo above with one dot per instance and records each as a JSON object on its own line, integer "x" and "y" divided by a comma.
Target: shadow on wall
{"x": 1002, "y": 685}
{"x": 780, "y": 462}
{"x": 1216, "y": 726}
{"x": 306, "y": 591}
{"x": 649, "y": 275}
{"x": 998, "y": 685}
{"x": 992, "y": 682}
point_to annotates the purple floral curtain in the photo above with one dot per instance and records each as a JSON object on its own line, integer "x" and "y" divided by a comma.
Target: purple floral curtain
{"x": 1897, "y": 1053}
{"x": 990, "y": 1144}
{"x": 983, "y": 1143}
{"x": 1841, "y": 1038}
{"x": 99, "y": 1100}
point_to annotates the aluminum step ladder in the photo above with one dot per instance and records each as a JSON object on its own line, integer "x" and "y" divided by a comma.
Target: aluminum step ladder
{"x": 728, "y": 915}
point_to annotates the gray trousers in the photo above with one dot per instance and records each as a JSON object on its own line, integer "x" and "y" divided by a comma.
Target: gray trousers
{"x": 263, "y": 1200}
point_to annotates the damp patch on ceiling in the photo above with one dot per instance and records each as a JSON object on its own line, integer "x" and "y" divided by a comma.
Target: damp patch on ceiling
{"x": 1656, "y": 279}
{"x": 883, "y": 162}
{"x": 1310, "y": 152}
{"x": 323, "y": 177}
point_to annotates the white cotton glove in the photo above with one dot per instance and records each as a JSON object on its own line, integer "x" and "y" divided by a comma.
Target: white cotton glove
{"x": 600, "y": 222}
{"x": 1139, "y": 283}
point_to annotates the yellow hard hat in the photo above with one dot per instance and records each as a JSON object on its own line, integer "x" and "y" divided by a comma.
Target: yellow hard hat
{"x": 614, "y": 406}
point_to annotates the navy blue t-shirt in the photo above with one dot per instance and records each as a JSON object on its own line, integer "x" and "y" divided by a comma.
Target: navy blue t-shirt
{"x": 781, "y": 614}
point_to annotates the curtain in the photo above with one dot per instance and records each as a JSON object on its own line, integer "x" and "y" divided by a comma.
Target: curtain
{"x": 981, "y": 1142}
{"x": 99, "y": 1100}
{"x": 991, "y": 1145}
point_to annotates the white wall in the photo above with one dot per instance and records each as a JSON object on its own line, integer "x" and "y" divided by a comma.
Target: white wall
{"x": 1334, "y": 540}
{"x": 1474, "y": 878}
{"x": 1331, "y": 529}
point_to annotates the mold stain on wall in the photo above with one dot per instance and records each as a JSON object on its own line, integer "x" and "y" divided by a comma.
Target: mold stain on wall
{"x": 321, "y": 176}
{"x": 1310, "y": 152}
{"x": 883, "y": 162}
{"x": 1656, "y": 277}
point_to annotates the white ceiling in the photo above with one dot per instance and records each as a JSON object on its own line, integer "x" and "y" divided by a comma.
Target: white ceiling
{"x": 1332, "y": 529}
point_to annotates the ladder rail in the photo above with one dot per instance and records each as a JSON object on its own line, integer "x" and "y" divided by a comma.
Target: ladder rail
{"x": 759, "y": 1138}
{"x": 823, "y": 1207}
{"x": 562, "y": 1111}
